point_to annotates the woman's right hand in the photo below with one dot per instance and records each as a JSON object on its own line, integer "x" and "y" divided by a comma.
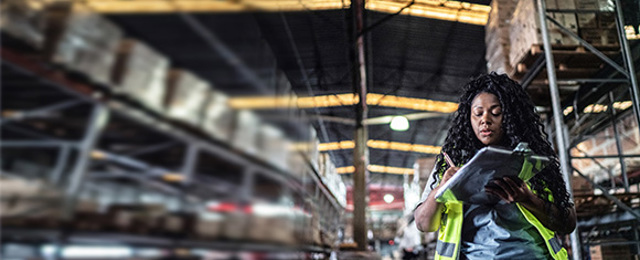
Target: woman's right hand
{"x": 448, "y": 174}
{"x": 427, "y": 215}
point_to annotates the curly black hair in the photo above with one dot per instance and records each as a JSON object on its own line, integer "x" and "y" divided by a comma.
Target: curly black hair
{"x": 520, "y": 123}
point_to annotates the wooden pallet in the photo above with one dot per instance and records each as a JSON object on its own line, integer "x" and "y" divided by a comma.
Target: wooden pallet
{"x": 591, "y": 205}
{"x": 572, "y": 61}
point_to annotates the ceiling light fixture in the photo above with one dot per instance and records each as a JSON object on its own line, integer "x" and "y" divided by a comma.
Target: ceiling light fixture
{"x": 388, "y": 198}
{"x": 399, "y": 123}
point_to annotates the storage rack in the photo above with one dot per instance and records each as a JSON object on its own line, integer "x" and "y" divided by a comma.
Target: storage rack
{"x": 75, "y": 115}
{"x": 608, "y": 85}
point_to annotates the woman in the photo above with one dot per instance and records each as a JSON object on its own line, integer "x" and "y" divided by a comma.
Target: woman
{"x": 495, "y": 110}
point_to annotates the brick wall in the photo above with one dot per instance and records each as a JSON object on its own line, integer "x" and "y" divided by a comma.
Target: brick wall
{"x": 604, "y": 143}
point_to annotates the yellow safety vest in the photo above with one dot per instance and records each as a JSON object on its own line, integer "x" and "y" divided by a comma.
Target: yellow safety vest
{"x": 450, "y": 233}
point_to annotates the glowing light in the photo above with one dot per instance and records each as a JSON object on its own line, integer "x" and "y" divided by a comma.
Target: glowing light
{"x": 388, "y": 198}
{"x": 399, "y": 123}
{"x": 568, "y": 110}
{"x": 338, "y": 100}
{"x": 435, "y": 9}
{"x": 377, "y": 168}
{"x": 381, "y": 144}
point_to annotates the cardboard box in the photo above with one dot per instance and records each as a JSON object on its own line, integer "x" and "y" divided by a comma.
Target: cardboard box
{"x": 525, "y": 30}
{"x": 28, "y": 198}
{"x": 609, "y": 252}
{"x": 185, "y": 97}
{"x": 81, "y": 40}
{"x": 602, "y": 5}
{"x": 599, "y": 36}
{"x": 140, "y": 74}
{"x": 209, "y": 226}
{"x": 134, "y": 218}
{"x": 235, "y": 226}
{"x": 23, "y": 20}
{"x": 587, "y": 20}
{"x": 580, "y": 186}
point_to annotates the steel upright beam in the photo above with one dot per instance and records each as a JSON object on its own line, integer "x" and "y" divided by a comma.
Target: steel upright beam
{"x": 558, "y": 118}
{"x": 360, "y": 152}
{"x": 628, "y": 59}
{"x": 95, "y": 125}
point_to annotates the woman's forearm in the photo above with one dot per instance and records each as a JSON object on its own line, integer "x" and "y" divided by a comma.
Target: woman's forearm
{"x": 551, "y": 218}
{"x": 427, "y": 215}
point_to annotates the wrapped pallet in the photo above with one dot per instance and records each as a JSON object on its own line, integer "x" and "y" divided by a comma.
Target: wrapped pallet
{"x": 134, "y": 218}
{"x": 245, "y": 131}
{"x": 313, "y": 152}
{"x": 25, "y": 200}
{"x": 178, "y": 223}
{"x": 525, "y": 28}
{"x": 140, "y": 74}
{"x": 185, "y": 96}
{"x": 296, "y": 162}
{"x": 23, "y": 20}
{"x": 235, "y": 225}
{"x": 272, "y": 146}
{"x": 218, "y": 116}
{"x": 81, "y": 40}
{"x": 497, "y": 35}
{"x": 209, "y": 225}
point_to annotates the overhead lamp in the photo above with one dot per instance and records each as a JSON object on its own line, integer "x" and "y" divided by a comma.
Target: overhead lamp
{"x": 399, "y": 123}
{"x": 388, "y": 198}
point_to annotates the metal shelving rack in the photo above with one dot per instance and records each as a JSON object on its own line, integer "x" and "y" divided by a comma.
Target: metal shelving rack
{"x": 611, "y": 82}
{"x": 87, "y": 130}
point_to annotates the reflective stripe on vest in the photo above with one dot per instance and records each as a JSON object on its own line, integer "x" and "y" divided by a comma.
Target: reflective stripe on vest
{"x": 553, "y": 245}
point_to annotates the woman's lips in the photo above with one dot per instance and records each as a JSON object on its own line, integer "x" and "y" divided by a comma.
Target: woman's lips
{"x": 486, "y": 132}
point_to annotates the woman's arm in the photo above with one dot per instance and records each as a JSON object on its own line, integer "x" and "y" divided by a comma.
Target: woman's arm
{"x": 428, "y": 214}
{"x": 515, "y": 190}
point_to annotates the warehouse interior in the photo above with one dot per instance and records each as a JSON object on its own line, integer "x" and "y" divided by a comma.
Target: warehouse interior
{"x": 234, "y": 129}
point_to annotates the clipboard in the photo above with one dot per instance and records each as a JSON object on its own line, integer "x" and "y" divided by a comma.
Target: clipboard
{"x": 467, "y": 185}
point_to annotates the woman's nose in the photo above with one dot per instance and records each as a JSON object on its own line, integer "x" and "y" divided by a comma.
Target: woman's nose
{"x": 486, "y": 118}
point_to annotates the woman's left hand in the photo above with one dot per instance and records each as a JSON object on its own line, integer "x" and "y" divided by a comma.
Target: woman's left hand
{"x": 510, "y": 189}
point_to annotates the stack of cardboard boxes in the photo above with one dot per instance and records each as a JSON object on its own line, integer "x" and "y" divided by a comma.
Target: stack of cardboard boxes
{"x": 497, "y": 36}
{"x": 525, "y": 27}
{"x": 513, "y": 28}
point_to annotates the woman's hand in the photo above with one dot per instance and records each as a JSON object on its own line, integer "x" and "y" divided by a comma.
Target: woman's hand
{"x": 510, "y": 189}
{"x": 428, "y": 214}
{"x": 448, "y": 174}
{"x": 515, "y": 190}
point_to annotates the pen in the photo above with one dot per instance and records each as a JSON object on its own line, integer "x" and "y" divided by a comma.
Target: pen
{"x": 448, "y": 159}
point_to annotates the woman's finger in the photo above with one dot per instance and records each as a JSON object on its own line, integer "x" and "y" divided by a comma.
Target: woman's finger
{"x": 497, "y": 192}
{"x": 514, "y": 186}
{"x": 505, "y": 188}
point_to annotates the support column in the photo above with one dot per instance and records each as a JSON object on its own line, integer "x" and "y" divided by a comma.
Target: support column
{"x": 628, "y": 60}
{"x": 360, "y": 152}
{"x": 558, "y": 118}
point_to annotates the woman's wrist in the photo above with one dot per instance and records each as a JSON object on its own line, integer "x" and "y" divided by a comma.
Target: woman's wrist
{"x": 532, "y": 202}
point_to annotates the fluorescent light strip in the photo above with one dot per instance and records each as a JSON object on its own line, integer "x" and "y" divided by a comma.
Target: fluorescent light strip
{"x": 436, "y": 9}
{"x": 380, "y": 144}
{"x": 377, "y": 168}
{"x": 448, "y": 10}
{"x": 373, "y": 99}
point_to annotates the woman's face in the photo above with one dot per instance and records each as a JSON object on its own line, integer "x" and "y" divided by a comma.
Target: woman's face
{"x": 486, "y": 118}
